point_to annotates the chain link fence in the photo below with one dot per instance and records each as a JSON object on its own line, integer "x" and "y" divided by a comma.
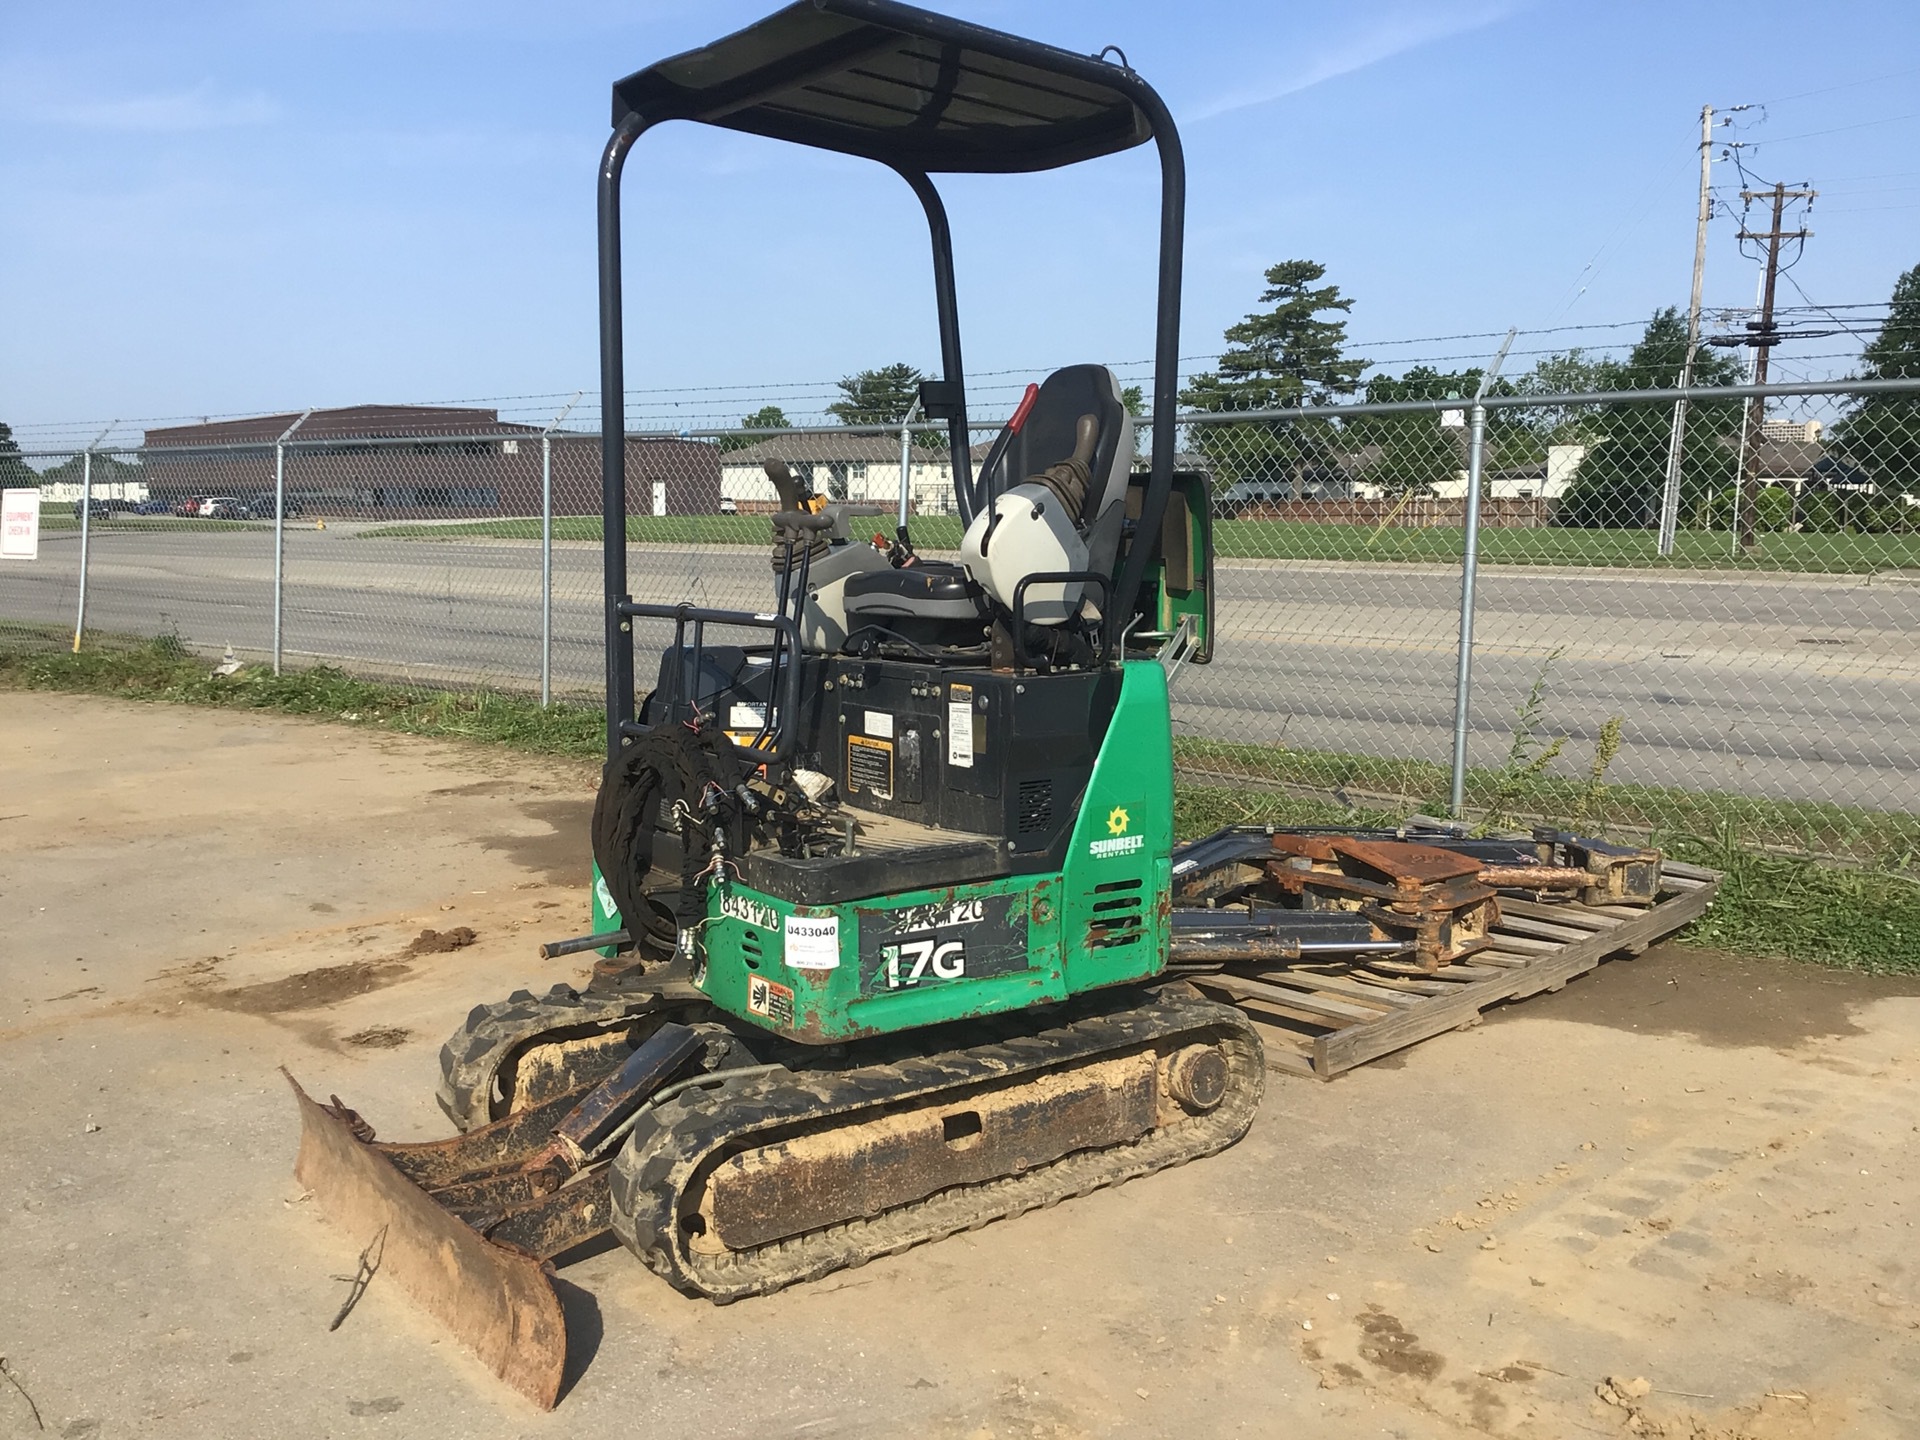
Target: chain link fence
{"x": 1713, "y": 629}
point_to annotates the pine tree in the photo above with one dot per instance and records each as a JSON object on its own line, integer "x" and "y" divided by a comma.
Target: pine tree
{"x": 1286, "y": 355}
{"x": 14, "y": 471}
{"x": 877, "y": 397}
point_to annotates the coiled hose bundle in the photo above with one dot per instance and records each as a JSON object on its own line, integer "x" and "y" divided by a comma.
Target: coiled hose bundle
{"x": 669, "y": 762}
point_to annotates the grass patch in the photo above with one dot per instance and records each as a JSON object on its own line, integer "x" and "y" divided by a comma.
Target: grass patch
{"x": 1884, "y": 838}
{"x": 1635, "y": 549}
{"x": 164, "y": 669}
{"x": 1861, "y": 918}
{"x": 65, "y": 521}
{"x": 1851, "y": 919}
{"x": 1290, "y": 540}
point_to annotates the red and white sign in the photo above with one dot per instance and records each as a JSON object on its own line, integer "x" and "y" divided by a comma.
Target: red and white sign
{"x": 20, "y": 525}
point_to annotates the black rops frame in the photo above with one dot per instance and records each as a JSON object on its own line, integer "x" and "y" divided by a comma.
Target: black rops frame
{"x": 649, "y": 97}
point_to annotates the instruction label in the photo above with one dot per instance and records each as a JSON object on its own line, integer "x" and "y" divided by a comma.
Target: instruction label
{"x": 879, "y": 722}
{"x": 960, "y": 726}
{"x": 812, "y": 942}
{"x": 870, "y": 766}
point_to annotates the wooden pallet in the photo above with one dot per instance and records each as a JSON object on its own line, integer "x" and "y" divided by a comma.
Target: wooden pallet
{"x": 1322, "y": 1020}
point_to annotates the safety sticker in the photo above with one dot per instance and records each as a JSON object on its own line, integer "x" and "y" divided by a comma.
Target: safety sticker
{"x": 960, "y": 726}
{"x": 879, "y": 722}
{"x": 813, "y": 942}
{"x": 775, "y": 1002}
{"x": 870, "y": 766}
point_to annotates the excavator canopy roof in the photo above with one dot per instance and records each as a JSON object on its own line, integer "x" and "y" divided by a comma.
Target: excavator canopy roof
{"x": 900, "y": 85}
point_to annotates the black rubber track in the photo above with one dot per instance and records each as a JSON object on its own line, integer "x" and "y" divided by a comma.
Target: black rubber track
{"x": 470, "y": 1061}
{"x": 675, "y": 1144}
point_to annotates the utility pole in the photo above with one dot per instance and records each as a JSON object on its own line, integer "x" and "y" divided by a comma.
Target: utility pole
{"x": 1764, "y": 338}
{"x": 1670, "y": 495}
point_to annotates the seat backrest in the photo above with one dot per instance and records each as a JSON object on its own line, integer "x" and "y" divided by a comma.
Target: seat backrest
{"x": 1049, "y": 434}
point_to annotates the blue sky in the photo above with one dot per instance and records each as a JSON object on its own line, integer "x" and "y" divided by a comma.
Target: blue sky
{"x": 234, "y": 206}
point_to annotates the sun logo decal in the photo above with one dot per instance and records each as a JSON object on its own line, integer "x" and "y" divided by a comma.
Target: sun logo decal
{"x": 1117, "y": 821}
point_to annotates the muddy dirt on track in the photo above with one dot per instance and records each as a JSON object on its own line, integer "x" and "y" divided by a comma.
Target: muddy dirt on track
{"x": 1677, "y": 1198}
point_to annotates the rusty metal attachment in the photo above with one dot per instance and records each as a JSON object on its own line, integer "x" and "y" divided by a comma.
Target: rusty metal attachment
{"x": 498, "y": 1301}
{"x": 1613, "y": 874}
{"x": 473, "y": 1222}
{"x": 1430, "y": 898}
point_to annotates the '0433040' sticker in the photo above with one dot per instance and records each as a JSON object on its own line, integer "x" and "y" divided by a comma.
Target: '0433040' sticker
{"x": 812, "y": 941}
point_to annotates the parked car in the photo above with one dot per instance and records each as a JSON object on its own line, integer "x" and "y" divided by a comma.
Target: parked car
{"x": 729, "y": 506}
{"x": 153, "y": 507}
{"x": 260, "y": 507}
{"x": 188, "y": 507}
{"x": 224, "y": 507}
{"x": 95, "y": 509}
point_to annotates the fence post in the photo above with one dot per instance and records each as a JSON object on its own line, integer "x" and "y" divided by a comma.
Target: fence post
{"x": 86, "y": 516}
{"x": 1469, "y": 577}
{"x": 280, "y": 529}
{"x": 546, "y": 550}
{"x": 86, "y": 520}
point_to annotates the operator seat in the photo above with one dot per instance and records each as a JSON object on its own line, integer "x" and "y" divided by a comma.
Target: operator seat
{"x": 938, "y": 602}
{"x": 1048, "y": 436}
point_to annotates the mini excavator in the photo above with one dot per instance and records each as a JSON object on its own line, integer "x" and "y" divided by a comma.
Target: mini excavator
{"x": 883, "y": 873}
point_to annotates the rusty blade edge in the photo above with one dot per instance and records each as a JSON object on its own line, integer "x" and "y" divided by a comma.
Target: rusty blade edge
{"x": 498, "y": 1303}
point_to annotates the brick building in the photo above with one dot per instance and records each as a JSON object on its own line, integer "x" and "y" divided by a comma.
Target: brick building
{"x": 411, "y": 462}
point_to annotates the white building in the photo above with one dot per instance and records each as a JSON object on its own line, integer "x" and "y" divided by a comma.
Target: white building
{"x": 860, "y": 468}
{"x": 1548, "y": 481}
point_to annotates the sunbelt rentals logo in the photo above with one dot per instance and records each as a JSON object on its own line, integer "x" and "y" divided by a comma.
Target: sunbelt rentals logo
{"x": 1116, "y": 841}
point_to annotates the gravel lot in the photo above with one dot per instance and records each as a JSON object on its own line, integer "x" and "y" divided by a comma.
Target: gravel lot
{"x": 1692, "y": 1176}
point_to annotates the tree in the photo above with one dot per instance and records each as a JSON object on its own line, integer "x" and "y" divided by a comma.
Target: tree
{"x": 1135, "y": 400}
{"x": 877, "y": 397}
{"x": 1413, "y": 452}
{"x": 1569, "y": 372}
{"x": 14, "y": 471}
{"x": 767, "y": 417}
{"x": 1881, "y": 433}
{"x": 1619, "y": 483}
{"x": 1284, "y": 356}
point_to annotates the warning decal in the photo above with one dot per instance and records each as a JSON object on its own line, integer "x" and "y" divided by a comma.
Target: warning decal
{"x": 870, "y": 766}
{"x": 773, "y": 1001}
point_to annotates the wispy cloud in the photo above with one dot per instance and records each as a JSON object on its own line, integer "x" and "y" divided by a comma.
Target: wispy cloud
{"x": 1381, "y": 38}
{"x": 163, "y": 113}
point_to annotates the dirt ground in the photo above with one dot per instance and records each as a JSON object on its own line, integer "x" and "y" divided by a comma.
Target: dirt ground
{"x": 1677, "y": 1198}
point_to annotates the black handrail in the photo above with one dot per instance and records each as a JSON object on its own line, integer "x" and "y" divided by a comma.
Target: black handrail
{"x": 1059, "y": 577}
{"x": 785, "y": 630}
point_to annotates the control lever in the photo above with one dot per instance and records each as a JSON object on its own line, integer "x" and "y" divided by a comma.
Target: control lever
{"x": 792, "y": 493}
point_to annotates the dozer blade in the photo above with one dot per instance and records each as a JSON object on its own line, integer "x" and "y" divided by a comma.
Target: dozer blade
{"x": 499, "y": 1303}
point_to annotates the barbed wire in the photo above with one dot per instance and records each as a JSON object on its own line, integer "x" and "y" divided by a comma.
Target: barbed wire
{"x": 704, "y": 406}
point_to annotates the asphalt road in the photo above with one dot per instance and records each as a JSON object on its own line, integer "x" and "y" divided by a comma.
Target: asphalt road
{"x": 1791, "y": 686}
